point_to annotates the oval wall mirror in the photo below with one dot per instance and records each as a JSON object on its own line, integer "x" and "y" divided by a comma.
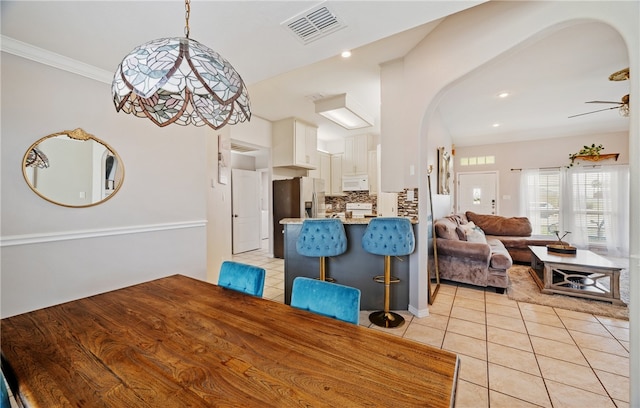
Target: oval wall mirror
{"x": 73, "y": 168}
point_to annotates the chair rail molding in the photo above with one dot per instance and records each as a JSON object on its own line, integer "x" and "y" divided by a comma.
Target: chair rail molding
{"x": 33, "y": 53}
{"x": 28, "y": 239}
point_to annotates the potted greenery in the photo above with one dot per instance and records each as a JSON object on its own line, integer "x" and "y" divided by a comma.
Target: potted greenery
{"x": 591, "y": 153}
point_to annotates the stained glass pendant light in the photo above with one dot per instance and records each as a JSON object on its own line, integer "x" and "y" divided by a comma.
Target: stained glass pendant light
{"x": 178, "y": 80}
{"x": 36, "y": 158}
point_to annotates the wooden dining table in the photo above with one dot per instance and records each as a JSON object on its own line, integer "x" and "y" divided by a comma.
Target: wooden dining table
{"x": 182, "y": 342}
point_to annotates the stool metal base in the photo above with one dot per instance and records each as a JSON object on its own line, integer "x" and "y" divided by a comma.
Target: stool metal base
{"x": 386, "y": 319}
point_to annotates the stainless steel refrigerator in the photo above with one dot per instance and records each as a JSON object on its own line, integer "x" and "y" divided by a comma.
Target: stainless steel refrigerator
{"x": 300, "y": 197}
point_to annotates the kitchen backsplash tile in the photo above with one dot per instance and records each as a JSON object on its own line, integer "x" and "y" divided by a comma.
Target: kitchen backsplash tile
{"x": 339, "y": 203}
{"x": 408, "y": 208}
{"x": 405, "y": 208}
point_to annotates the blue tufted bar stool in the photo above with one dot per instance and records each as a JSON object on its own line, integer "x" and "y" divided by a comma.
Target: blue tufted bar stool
{"x": 388, "y": 236}
{"x": 322, "y": 237}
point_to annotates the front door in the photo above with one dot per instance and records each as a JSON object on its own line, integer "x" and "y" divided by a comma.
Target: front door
{"x": 477, "y": 192}
{"x": 245, "y": 204}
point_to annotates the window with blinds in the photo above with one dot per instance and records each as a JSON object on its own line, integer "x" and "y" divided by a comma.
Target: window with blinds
{"x": 543, "y": 196}
{"x": 590, "y": 202}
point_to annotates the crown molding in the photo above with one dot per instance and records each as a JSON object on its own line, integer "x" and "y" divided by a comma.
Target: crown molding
{"x": 33, "y": 53}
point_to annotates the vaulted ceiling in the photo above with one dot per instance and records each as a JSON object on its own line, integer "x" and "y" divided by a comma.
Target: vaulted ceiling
{"x": 549, "y": 79}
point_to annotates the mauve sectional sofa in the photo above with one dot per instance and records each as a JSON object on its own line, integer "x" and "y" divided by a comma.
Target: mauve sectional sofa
{"x": 478, "y": 249}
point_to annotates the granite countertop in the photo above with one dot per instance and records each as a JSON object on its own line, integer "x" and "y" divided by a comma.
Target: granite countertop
{"x": 346, "y": 221}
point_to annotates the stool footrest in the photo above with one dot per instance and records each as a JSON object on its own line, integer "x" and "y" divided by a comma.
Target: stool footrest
{"x": 380, "y": 279}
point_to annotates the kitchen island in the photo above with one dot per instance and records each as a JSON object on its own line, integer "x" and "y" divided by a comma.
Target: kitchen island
{"x": 355, "y": 267}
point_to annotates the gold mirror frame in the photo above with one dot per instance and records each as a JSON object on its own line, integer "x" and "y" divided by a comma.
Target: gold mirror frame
{"x": 62, "y": 164}
{"x": 433, "y": 283}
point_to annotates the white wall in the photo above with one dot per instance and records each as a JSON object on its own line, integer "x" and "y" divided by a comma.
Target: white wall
{"x": 243, "y": 162}
{"x": 466, "y": 41}
{"x": 154, "y": 226}
{"x": 534, "y": 154}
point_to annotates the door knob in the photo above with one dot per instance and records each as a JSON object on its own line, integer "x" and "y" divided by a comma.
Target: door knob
{"x": 235, "y": 215}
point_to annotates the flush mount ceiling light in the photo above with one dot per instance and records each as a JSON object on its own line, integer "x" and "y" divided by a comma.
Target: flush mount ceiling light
{"x": 178, "y": 80}
{"x": 344, "y": 111}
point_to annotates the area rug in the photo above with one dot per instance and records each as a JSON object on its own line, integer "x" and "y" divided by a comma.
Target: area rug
{"x": 523, "y": 289}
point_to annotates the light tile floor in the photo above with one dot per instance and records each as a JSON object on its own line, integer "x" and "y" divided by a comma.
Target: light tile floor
{"x": 512, "y": 354}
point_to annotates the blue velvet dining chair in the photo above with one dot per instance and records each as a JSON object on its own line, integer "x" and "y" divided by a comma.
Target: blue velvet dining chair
{"x": 388, "y": 236}
{"x": 4, "y": 393}
{"x": 325, "y": 298}
{"x": 242, "y": 277}
{"x": 321, "y": 238}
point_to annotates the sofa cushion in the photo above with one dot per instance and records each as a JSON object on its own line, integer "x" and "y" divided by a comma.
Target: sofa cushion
{"x": 500, "y": 258}
{"x": 446, "y": 229}
{"x": 498, "y": 225}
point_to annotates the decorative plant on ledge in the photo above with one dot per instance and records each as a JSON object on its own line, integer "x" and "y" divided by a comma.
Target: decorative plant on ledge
{"x": 591, "y": 153}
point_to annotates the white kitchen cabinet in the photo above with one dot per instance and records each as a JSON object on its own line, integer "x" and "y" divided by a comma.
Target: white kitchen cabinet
{"x": 372, "y": 164}
{"x": 336, "y": 174}
{"x": 356, "y": 154}
{"x": 295, "y": 144}
{"x": 323, "y": 171}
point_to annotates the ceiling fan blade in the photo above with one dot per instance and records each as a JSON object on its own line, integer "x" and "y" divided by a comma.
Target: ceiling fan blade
{"x": 617, "y": 103}
{"x": 599, "y": 110}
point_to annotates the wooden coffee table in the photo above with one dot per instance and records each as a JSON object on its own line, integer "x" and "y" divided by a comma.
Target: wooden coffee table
{"x": 583, "y": 274}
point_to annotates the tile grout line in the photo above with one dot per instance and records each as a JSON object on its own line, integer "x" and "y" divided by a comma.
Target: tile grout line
{"x": 586, "y": 359}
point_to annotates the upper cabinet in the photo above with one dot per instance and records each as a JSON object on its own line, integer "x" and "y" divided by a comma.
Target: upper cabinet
{"x": 295, "y": 144}
{"x": 373, "y": 172}
{"x": 336, "y": 175}
{"x": 323, "y": 171}
{"x": 356, "y": 154}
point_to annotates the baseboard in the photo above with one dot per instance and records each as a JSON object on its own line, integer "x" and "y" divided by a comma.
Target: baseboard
{"x": 419, "y": 312}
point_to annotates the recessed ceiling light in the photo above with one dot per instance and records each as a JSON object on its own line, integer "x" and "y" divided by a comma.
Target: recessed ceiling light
{"x": 503, "y": 94}
{"x": 496, "y": 125}
{"x": 346, "y": 54}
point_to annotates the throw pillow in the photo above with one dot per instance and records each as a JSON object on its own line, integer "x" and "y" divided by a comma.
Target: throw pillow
{"x": 476, "y": 235}
{"x": 463, "y": 229}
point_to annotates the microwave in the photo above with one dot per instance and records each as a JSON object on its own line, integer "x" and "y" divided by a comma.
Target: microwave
{"x": 355, "y": 183}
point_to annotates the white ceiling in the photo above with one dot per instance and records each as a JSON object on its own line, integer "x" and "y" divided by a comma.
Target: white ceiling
{"x": 550, "y": 79}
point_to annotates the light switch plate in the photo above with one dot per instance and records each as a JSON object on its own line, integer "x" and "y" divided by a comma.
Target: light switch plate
{"x": 411, "y": 195}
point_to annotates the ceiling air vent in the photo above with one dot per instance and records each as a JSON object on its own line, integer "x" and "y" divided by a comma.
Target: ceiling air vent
{"x": 313, "y": 24}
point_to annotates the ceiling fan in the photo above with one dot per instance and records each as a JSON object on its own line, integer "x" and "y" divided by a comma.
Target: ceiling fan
{"x": 623, "y": 105}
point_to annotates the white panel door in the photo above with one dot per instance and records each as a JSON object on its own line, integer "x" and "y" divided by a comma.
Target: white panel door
{"x": 477, "y": 192}
{"x": 245, "y": 193}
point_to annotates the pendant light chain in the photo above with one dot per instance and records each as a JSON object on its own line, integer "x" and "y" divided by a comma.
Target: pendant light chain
{"x": 187, "y": 12}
